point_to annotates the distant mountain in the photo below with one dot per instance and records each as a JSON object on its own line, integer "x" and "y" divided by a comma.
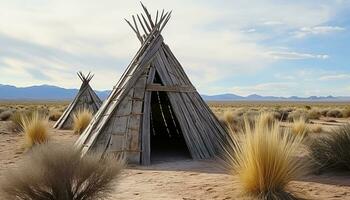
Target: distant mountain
{"x": 41, "y": 92}
{"x": 255, "y": 97}
{"x": 49, "y": 92}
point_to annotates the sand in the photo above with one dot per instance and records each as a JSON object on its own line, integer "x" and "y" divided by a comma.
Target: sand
{"x": 179, "y": 179}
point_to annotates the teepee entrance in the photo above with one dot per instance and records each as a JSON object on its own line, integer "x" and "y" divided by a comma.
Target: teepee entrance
{"x": 166, "y": 137}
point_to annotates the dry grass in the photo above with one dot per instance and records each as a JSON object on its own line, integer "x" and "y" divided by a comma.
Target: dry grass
{"x": 54, "y": 115}
{"x": 300, "y": 127}
{"x": 314, "y": 114}
{"x": 332, "y": 152}
{"x": 81, "y": 120}
{"x": 35, "y": 129}
{"x": 334, "y": 113}
{"x": 51, "y": 172}
{"x": 316, "y": 128}
{"x": 346, "y": 112}
{"x": 264, "y": 158}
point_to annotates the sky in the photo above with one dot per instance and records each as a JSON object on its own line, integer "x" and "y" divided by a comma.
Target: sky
{"x": 266, "y": 47}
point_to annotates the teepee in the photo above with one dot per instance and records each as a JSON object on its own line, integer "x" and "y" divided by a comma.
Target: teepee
{"x": 85, "y": 99}
{"x": 153, "y": 106}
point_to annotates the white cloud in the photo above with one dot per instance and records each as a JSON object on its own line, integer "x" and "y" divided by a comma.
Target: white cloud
{"x": 335, "y": 77}
{"x": 272, "y": 23}
{"x": 270, "y": 88}
{"x": 317, "y": 30}
{"x": 296, "y": 55}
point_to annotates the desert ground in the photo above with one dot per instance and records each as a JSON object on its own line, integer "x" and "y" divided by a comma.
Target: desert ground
{"x": 187, "y": 179}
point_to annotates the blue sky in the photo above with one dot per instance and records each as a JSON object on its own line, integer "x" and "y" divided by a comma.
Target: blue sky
{"x": 268, "y": 47}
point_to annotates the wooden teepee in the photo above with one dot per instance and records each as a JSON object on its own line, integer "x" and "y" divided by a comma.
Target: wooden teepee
{"x": 153, "y": 99}
{"x": 86, "y": 98}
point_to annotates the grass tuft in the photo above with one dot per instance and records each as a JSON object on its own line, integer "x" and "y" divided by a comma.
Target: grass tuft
{"x": 81, "y": 120}
{"x": 264, "y": 159}
{"x": 51, "y": 172}
{"x": 300, "y": 127}
{"x": 332, "y": 152}
{"x": 35, "y": 129}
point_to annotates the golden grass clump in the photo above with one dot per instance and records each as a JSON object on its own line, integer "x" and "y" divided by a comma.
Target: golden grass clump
{"x": 35, "y": 129}
{"x": 264, "y": 159}
{"x": 52, "y": 172}
{"x": 81, "y": 120}
{"x": 300, "y": 127}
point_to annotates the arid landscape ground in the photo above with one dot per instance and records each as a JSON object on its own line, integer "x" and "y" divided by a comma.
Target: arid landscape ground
{"x": 189, "y": 179}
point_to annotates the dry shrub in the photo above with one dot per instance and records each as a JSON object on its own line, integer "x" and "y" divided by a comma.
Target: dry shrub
{"x": 346, "y": 113}
{"x": 51, "y": 172}
{"x": 314, "y": 114}
{"x": 54, "y": 115}
{"x": 264, "y": 159}
{"x": 300, "y": 127}
{"x": 324, "y": 112}
{"x": 332, "y": 152}
{"x": 297, "y": 114}
{"x": 35, "y": 129}
{"x": 316, "y": 128}
{"x": 334, "y": 113}
{"x": 229, "y": 117}
{"x": 81, "y": 120}
{"x": 5, "y": 115}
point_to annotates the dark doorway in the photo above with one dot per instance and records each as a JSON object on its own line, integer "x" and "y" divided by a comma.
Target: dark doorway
{"x": 167, "y": 140}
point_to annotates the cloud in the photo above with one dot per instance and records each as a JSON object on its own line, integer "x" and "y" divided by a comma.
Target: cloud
{"x": 335, "y": 77}
{"x": 269, "y": 88}
{"x": 317, "y": 30}
{"x": 206, "y": 37}
{"x": 296, "y": 55}
{"x": 272, "y": 23}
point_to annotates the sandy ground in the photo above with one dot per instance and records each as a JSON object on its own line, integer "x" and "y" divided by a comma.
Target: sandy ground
{"x": 182, "y": 179}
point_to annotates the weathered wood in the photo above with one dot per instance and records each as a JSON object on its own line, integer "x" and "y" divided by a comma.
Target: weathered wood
{"x": 170, "y": 88}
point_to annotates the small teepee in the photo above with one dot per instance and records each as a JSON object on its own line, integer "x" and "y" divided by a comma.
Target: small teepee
{"x": 86, "y": 98}
{"x": 154, "y": 109}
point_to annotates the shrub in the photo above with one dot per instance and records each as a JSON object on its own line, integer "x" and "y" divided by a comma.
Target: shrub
{"x": 55, "y": 115}
{"x": 51, "y": 172}
{"x": 346, "y": 112}
{"x": 264, "y": 159}
{"x": 314, "y": 114}
{"x": 331, "y": 152}
{"x": 317, "y": 128}
{"x": 5, "y": 115}
{"x": 81, "y": 120}
{"x": 308, "y": 107}
{"x": 35, "y": 129}
{"x": 334, "y": 113}
{"x": 297, "y": 114}
{"x": 324, "y": 112}
{"x": 228, "y": 117}
{"x": 300, "y": 127}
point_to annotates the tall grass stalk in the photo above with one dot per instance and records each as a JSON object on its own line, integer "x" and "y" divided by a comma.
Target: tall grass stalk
{"x": 264, "y": 159}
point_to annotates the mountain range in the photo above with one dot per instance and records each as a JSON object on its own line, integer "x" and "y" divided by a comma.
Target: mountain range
{"x": 49, "y": 92}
